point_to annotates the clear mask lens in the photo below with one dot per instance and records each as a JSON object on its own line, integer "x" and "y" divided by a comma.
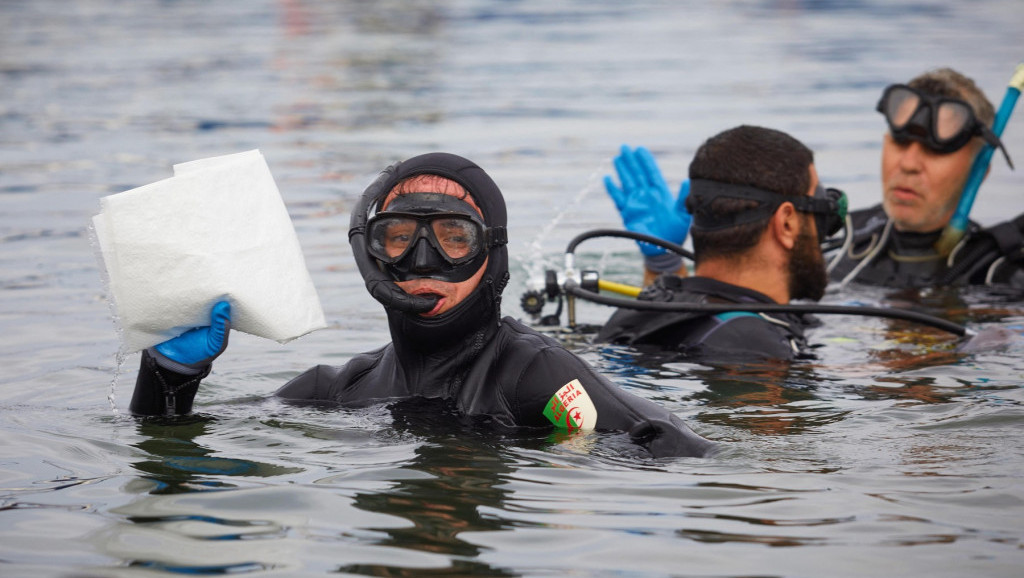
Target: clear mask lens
{"x": 952, "y": 119}
{"x": 456, "y": 238}
{"x": 900, "y": 106}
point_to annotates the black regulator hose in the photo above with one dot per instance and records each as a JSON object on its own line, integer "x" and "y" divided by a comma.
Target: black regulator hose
{"x": 571, "y": 248}
{"x": 829, "y": 245}
{"x": 572, "y": 288}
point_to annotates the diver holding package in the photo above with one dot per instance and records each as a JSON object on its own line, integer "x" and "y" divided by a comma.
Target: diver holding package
{"x": 429, "y": 239}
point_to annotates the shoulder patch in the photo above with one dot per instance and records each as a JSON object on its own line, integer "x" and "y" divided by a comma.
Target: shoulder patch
{"x": 571, "y": 408}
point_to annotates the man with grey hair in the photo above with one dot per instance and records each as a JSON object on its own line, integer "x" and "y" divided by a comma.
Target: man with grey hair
{"x": 938, "y": 123}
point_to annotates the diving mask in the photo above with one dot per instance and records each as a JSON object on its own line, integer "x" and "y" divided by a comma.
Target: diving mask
{"x": 829, "y": 206}
{"x": 430, "y": 235}
{"x": 941, "y": 123}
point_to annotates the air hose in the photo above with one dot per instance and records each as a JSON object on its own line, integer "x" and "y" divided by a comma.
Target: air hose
{"x": 587, "y": 284}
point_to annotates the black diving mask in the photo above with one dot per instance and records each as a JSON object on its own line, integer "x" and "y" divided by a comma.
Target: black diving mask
{"x": 941, "y": 123}
{"x": 430, "y": 235}
{"x": 829, "y": 206}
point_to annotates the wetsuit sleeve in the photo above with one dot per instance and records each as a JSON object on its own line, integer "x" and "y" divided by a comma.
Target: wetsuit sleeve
{"x": 314, "y": 384}
{"x": 159, "y": 391}
{"x": 556, "y": 380}
{"x": 358, "y": 380}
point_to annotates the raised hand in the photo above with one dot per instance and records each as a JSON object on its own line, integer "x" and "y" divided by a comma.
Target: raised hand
{"x": 645, "y": 202}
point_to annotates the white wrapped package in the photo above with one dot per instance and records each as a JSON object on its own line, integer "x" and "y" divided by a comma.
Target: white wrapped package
{"x": 217, "y": 230}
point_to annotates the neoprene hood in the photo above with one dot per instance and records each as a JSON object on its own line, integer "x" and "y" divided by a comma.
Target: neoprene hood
{"x": 481, "y": 306}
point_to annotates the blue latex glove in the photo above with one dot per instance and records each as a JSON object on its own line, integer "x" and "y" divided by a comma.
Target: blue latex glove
{"x": 644, "y": 201}
{"x": 199, "y": 346}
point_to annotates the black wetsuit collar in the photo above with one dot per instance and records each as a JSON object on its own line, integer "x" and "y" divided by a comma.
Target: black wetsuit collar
{"x": 715, "y": 291}
{"x": 722, "y": 291}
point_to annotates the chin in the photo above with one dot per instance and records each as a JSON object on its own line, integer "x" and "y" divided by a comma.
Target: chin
{"x": 902, "y": 216}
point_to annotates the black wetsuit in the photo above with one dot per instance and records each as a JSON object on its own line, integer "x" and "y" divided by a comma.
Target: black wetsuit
{"x": 505, "y": 374}
{"x": 719, "y": 337}
{"x": 500, "y": 372}
{"x": 908, "y": 260}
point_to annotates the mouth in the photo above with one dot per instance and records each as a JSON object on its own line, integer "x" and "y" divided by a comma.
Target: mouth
{"x": 426, "y": 292}
{"x": 904, "y": 194}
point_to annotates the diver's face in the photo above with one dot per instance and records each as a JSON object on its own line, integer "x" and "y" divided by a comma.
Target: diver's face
{"x": 920, "y": 187}
{"x": 449, "y": 294}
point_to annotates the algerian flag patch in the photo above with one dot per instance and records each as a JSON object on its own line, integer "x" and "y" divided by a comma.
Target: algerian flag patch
{"x": 571, "y": 408}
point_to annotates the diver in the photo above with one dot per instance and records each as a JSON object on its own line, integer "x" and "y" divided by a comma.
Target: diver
{"x": 937, "y": 123}
{"x": 429, "y": 238}
{"x": 759, "y": 215}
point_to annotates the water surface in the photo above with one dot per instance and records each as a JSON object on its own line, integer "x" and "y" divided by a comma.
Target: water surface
{"x": 892, "y": 454}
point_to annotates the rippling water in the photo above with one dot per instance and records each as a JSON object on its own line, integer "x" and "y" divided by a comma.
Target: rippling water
{"x": 892, "y": 454}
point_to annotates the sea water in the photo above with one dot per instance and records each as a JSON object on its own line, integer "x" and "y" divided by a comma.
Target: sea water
{"x": 891, "y": 454}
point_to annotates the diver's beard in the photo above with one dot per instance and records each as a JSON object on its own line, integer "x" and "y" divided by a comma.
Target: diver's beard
{"x": 808, "y": 276}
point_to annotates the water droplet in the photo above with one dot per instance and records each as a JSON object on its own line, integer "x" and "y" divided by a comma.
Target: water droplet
{"x": 112, "y": 396}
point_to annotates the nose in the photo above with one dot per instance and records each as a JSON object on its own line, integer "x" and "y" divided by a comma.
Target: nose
{"x": 424, "y": 259}
{"x": 912, "y": 156}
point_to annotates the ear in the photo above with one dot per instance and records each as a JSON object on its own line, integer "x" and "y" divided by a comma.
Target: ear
{"x": 784, "y": 226}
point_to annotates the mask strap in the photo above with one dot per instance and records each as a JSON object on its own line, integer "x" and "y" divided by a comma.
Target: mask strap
{"x": 996, "y": 143}
{"x": 704, "y": 191}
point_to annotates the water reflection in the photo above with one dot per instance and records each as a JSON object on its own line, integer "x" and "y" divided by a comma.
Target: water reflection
{"x": 758, "y": 396}
{"x": 178, "y": 463}
{"x": 462, "y": 480}
{"x": 447, "y": 488}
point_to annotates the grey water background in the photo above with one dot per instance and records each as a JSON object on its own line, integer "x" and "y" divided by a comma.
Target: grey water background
{"x": 892, "y": 454}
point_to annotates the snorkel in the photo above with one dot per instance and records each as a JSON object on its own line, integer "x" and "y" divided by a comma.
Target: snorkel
{"x": 379, "y": 283}
{"x": 957, "y": 226}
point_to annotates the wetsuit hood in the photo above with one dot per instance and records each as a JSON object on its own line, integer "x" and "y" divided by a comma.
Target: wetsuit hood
{"x": 482, "y": 307}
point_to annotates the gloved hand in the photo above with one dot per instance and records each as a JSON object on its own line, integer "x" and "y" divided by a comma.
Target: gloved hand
{"x": 647, "y": 206}
{"x": 196, "y": 348}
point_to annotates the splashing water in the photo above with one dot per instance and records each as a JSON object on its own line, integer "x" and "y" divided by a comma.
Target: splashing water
{"x": 534, "y": 259}
{"x": 121, "y": 355}
{"x": 119, "y": 360}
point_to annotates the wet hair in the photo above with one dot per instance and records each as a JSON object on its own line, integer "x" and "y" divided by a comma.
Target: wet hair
{"x": 752, "y": 156}
{"x": 950, "y": 83}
